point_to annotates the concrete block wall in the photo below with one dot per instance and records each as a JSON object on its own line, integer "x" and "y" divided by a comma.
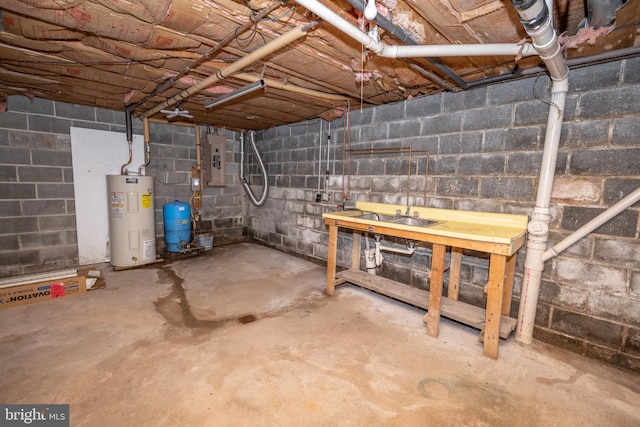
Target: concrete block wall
{"x": 37, "y": 206}
{"x": 173, "y": 154}
{"x": 485, "y": 147}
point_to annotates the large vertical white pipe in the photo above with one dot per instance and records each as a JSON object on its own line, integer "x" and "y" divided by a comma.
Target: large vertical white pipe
{"x": 538, "y": 227}
{"x": 537, "y": 21}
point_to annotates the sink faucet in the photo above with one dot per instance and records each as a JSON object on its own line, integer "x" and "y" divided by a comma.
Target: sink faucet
{"x": 408, "y": 208}
{"x": 344, "y": 201}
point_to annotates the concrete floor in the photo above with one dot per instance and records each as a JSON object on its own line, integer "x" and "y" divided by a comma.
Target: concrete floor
{"x": 244, "y": 335}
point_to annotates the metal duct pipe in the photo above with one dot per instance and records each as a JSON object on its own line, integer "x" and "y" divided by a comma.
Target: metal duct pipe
{"x": 247, "y": 188}
{"x": 284, "y": 40}
{"x": 536, "y": 19}
{"x": 602, "y": 13}
{"x": 394, "y": 51}
{"x": 593, "y": 224}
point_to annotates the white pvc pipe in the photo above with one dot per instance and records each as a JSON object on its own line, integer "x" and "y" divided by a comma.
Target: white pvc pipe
{"x": 485, "y": 49}
{"x": 546, "y": 43}
{"x": 393, "y": 51}
{"x": 551, "y": 142}
{"x": 593, "y": 224}
{"x": 405, "y": 251}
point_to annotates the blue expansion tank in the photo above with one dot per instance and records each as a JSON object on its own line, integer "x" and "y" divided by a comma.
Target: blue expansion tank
{"x": 177, "y": 224}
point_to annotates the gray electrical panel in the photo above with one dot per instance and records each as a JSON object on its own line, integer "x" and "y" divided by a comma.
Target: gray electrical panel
{"x": 214, "y": 160}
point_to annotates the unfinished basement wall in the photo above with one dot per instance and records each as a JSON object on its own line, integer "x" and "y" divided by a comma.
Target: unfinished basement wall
{"x": 485, "y": 148}
{"x": 37, "y": 206}
{"x": 173, "y": 155}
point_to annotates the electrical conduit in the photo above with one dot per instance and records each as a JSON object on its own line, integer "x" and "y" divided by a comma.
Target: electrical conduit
{"x": 247, "y": 188}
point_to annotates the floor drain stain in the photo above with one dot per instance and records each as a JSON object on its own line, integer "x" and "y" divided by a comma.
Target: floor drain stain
{"x": 249, "y": 318}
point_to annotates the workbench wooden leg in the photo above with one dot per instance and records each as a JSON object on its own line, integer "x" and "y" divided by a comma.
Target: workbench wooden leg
{"x": 435, "y": 289}
{"x": 331, "y": 259}
{"x": 495, "y": 287}
{"x": 508, "y": 285}
{"x": 454, "y": 273}
{"x": 355, "y": 250}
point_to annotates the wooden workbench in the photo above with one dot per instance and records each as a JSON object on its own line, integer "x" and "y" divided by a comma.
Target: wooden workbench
{"x": 499, "y": 235}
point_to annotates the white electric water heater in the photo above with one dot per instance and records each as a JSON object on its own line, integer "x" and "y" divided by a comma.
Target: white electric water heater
{"x": 132, "y": 227}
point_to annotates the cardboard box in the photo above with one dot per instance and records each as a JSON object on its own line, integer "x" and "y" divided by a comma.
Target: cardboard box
{"x": 94, "y": 278}
{"x": 12, "y": 296}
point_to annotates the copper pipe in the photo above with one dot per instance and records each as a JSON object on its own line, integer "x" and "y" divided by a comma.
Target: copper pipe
{"x": 196, "y": 172}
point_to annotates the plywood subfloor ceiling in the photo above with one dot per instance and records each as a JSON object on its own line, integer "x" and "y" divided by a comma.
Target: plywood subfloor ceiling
{"x": 141, "y": 53}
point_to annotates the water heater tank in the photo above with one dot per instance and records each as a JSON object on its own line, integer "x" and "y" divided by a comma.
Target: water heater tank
{"x": 132, "y": 227}
{"x": 177, "y": 225}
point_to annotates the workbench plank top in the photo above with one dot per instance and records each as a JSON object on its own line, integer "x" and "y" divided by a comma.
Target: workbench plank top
{"x": 486, "y": 227}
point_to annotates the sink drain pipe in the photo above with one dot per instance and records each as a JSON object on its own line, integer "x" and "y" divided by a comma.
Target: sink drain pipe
{"x": 373, "y": 256}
